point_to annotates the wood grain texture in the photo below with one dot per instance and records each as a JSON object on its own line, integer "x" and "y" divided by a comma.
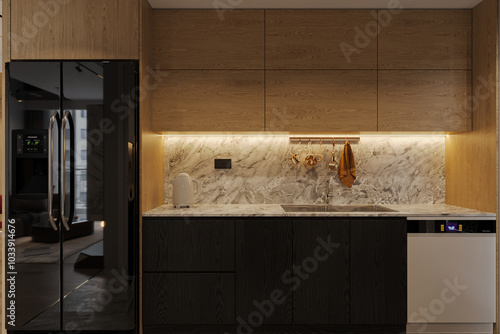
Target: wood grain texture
{"x": 151, "y": 153}
{"x": 188, "y": 298}
{"x": 6, "y": 19}
{"x": 424, "y": 100}
{"x": 208, "y": 39}
{"x": 472, "y": 158}
{"x": 209, "y": 101}
{"x": 195, "y": 244}
{"x": 321, "y": 101}
{"x": 263, "y": 258}
{"x": 425, "y": 39}
{"x": 378, "y": 271}
{"x": 319, "y": 39}
{"x": 323, "y": 296}
{"x": 477, "y": 151}
{"x": 77, "y": 29}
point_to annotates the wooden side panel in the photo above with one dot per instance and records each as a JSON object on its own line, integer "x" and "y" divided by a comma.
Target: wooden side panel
{"x": 425, "y": 39}
{"x": 6, "y": 19}
{"x": 78, "y": 29}
{"x": 323, "y": 294}
{"x": 208, "y": 39}
{"x": 175, "y": 245}
{"x": 321, "y": 101}
{"x": 263, "y": 269}
{"x": 222, "y": 100}
{"x": 319, "y": 39}
{"x": 378, "y": 272}
{"x": 151, "y": 153}
{"x": 187, "y": 298}
{"x": 471, "y": 159}
{"x": 424, "y": 100}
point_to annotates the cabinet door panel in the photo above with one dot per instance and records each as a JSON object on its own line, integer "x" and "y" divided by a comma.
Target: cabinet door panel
{"x": 77, "y": 29}
{"x": 321, "y": 101}
{"x": 208, "y": 39}
{"x": 321, "y": 250}
{"x": 378, "y": 271}
{"x": 209, "y": 101}
{"x": 188, "y": 298}
{"x": 425, "y": 39}
{"x": 263, "y": 256}
{"x": 318, "y": 39}
{"x": 196, "y": 245}
{"x": 424, "y": 100}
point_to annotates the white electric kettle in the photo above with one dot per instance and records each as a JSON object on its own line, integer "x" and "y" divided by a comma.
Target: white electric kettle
{"x": 184, "y": 190}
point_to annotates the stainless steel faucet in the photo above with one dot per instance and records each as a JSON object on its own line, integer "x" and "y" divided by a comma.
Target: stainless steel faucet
{"x": 327, "y": 192}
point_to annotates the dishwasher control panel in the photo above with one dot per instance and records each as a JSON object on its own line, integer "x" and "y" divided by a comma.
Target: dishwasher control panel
{"x": 452, "y": 226}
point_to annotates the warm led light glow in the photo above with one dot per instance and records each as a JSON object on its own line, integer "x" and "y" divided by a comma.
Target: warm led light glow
{"x": 103, "y": 223}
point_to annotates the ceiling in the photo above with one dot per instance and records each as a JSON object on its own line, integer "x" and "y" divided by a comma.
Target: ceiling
{"x": 242, "y": 4}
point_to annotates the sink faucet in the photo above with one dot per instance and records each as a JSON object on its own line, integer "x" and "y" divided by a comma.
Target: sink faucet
{"x": 328, "y": 195}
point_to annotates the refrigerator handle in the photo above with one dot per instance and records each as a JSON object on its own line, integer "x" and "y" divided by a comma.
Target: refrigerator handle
{"x": 53, "y": 119}
{"x": 67, "y": 220}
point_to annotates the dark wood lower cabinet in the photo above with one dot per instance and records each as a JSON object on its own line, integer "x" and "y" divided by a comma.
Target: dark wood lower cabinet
{"x": 378, "y": 271}
{"x": 188, "y": 298}
{"x": 274, "y": 275}
{"x": 321, "y": 263}
{"x": 263, "y": 261}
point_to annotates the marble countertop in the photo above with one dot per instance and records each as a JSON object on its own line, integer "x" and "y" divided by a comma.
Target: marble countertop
{"x": 275, "y": 210}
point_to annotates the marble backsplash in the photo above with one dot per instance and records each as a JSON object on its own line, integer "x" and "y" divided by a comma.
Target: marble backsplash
{"x": 390, "y": 170}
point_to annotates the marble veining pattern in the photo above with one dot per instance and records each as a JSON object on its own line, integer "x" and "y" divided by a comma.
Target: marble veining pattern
{"x": 274, "y": 210}
{"x": 390, "y": 170}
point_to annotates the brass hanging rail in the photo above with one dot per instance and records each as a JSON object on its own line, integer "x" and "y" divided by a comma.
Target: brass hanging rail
{"x": 324, "y": 140}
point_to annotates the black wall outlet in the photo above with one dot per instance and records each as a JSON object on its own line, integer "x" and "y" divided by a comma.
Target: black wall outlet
{"x": 222, "y": 163}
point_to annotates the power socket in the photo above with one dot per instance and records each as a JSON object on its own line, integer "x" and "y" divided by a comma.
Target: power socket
{"x": 222, "y": 163}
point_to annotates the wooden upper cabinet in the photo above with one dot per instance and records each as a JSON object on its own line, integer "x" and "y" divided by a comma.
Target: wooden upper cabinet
{"x": 320, "y": 39}
{"x": 202, "y": 100}
{"x": 201, "y": 39}
{"x": 425, "y": 39}
{"x": 321, "y": 101}
{"x": 424, "y": 100}
{"x": 77, "y": 29}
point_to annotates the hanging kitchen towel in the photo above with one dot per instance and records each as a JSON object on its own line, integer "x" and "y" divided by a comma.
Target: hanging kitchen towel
{"x": 347, "y": 167}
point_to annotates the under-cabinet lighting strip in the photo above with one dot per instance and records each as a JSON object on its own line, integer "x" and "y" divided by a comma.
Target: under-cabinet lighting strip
{"x": 324, "y": 140}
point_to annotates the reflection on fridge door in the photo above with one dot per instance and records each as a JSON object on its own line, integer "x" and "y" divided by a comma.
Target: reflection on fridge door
{"x": 73, "y": 248}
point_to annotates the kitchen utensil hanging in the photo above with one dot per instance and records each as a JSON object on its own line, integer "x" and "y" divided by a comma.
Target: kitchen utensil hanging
{"x": 310, "y": 160}
{"x": 333, "y": 164}
{"x": 295, "y": 157}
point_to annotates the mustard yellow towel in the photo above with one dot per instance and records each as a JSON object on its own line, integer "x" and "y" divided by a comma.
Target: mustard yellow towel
{"x": 347, "y": 167}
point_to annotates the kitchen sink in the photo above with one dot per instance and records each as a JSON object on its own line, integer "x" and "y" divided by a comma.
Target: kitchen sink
{"x": 336, "y": 208}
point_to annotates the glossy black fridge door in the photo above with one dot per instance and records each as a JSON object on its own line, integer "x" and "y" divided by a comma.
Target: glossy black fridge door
{"x": 99, "y": 244}
{"x": 32, "y": 248}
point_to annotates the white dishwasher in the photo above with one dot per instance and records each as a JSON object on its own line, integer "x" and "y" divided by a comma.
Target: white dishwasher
{"x": 451, "y": 274}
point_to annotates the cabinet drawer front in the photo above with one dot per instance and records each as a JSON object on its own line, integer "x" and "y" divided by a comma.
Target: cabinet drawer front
{"x": 321, "y": 251}
{"x": 264, "y": 258}
{"x": 173, "y": 245}
{"x": 188, "y": 299}
{"x": 378, "y": 271}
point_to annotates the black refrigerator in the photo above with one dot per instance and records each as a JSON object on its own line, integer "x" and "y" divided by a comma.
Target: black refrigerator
{"x": 71, "y": 215}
